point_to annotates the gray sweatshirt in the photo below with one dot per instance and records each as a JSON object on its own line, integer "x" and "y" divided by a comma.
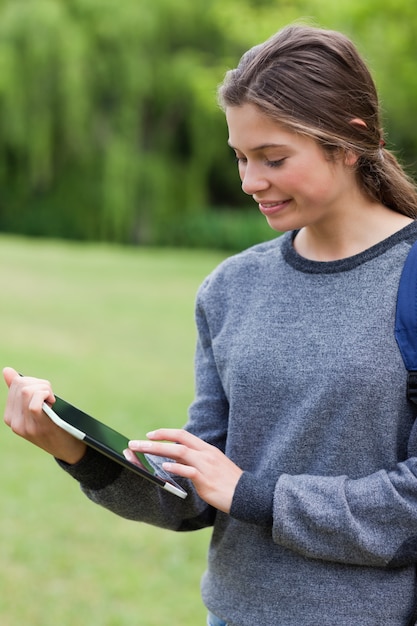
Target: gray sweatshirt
{"x": 300, "y": 382}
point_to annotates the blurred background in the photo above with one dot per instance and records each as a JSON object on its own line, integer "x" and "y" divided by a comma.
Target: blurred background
{"x": 109, "y": 125}
{"x": 118, "y": 196}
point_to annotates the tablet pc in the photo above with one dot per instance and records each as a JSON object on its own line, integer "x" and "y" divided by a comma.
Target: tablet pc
{"x": 110, "y": 443}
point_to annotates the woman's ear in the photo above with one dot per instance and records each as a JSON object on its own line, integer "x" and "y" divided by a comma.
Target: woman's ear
{"x": 357, "y": 121}
{"x": 351, "y": 157}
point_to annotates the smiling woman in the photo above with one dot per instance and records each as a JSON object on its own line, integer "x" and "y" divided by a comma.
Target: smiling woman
{"x": 300, "y": 446}
{"x": 275, "y": 165}
{"x": 327, "y": 152}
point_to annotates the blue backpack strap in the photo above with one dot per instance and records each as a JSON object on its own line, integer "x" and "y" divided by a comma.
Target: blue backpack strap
{"x": 406, "y": 320}
{"x": 406, "y": 336}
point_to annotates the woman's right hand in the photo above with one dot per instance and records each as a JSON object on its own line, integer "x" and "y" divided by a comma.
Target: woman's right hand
{"x": 24, "y": 415}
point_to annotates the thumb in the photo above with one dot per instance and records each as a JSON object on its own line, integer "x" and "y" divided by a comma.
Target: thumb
{"x": 9, "y": 375}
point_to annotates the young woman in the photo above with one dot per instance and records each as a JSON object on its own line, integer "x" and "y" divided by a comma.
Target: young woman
{"x": 300, "y": 449}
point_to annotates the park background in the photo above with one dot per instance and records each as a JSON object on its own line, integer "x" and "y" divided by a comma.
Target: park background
{"x": 118, "y": 195}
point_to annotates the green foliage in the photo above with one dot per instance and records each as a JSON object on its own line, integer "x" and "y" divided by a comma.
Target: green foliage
{"x": 109, "y": 121}
{"x": 105, "y": 103}
{"x": 230, "y": 230}
{"x": 109, "y": 126}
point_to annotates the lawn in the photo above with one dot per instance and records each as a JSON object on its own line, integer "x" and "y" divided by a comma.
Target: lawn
{"x": 113, "y": 329}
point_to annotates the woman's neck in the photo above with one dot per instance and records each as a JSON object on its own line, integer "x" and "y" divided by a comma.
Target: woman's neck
{"x": 344, "y": 237}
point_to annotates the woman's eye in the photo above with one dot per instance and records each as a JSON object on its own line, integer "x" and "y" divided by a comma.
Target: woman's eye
{"x": 277, "y": 163}
{"x": 269, "y": 163}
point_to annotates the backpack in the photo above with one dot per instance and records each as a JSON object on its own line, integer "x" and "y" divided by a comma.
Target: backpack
{"x": 406, "y": 321}
{"x": 406, "y": 336}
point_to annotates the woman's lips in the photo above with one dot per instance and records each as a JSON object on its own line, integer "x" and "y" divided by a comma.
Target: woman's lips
{"x": 269, "y": 208}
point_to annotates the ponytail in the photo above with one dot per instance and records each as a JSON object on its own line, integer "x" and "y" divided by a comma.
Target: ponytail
{"x": 384, "y": 180}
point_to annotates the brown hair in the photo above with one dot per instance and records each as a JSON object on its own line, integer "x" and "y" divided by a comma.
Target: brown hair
{"x": 315, "y": 82}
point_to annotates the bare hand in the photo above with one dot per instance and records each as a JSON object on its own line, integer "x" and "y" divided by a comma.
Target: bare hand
{"x": 214, "y": 475}
{"x": 24, "y": 415}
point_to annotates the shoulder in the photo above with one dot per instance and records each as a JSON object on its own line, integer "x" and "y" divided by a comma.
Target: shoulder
{"x": 235, "y": 271}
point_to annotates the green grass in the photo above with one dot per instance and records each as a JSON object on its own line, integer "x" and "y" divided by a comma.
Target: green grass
{"x": 113, "y": 329}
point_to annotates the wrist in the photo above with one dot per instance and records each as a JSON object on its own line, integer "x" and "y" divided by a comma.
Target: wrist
{"x": 73, "y": 454}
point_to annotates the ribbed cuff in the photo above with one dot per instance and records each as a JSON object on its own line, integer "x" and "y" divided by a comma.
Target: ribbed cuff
{"x": 253, "y": 499}
{"x": 94, "y": 470}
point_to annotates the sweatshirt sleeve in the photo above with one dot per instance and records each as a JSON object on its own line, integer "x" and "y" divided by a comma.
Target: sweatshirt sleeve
{"x": 370, "y": 521}
{"x": 128, "y": 495}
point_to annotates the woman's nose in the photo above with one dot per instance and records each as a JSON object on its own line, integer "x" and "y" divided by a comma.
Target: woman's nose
{"x": 253, "y": 180}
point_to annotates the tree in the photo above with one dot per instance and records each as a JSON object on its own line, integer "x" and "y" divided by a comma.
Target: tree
{"x": 109, "y": 126}
{"x": 106, "y": 123}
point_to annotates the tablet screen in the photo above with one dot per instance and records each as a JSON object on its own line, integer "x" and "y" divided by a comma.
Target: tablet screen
{"x": 111, "y": 443}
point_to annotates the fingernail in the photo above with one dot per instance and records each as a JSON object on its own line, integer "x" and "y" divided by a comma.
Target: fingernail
{"x": 143, "y": 445}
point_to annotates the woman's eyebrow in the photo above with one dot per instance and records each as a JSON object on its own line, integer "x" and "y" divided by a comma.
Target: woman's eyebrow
{"x": 261, "y": 147}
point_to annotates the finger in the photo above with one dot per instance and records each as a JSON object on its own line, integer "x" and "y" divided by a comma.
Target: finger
{"x": 176, "y": 444}
{"x": 179, "y": 469}
{"x": 35, "y": 392}
{"x": 40, "y": 396}
{"x": 177, "y": 435}
{"x": 9, "y": 374}
{"x": 173, "y": 451}
{"x": 24, "y": 384}
{"x": 25, "y": 399}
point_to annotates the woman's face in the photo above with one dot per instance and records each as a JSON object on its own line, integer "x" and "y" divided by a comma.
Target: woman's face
{"x": 293, "y": 181}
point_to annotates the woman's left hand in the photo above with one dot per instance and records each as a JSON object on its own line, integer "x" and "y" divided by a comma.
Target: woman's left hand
{"x": 214, "y": 475}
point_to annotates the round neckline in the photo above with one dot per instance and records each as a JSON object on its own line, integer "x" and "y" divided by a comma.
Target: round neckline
{"x": 308, "y": 266}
